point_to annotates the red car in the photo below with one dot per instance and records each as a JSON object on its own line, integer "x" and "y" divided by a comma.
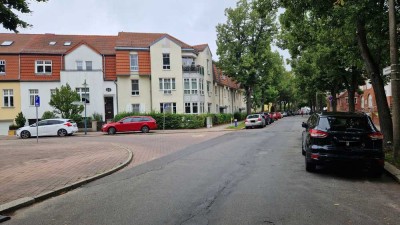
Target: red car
{"x": 131, "y": 123}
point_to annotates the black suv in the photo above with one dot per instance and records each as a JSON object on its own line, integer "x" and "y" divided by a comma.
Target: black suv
{"x": 342, "y": 137}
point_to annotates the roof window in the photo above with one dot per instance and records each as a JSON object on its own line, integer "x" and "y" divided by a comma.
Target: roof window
{"x": 67, "y": 43}
{"x": 52, "y": 43}
{"x": 7, "y": 43}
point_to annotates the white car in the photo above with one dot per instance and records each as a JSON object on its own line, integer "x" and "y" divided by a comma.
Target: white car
{"x": 49, "y": 127}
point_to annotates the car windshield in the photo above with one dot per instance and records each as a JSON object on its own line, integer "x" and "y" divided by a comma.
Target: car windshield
{"x": 252, "y": 116}
{"x": 345, "y": 124}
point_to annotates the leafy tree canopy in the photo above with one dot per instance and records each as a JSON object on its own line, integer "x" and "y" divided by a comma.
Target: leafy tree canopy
{"x": 62, "y": 102}
{"x": 8, "y": 13}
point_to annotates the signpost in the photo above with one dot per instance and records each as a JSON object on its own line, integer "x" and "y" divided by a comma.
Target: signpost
{"x": 37, "y": 105}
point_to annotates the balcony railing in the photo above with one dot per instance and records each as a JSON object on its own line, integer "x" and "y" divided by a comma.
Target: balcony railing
{"x": 193, "y": 69}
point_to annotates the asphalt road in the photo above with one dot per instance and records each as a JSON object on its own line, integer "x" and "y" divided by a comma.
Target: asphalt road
{"x": 252, "y": 176}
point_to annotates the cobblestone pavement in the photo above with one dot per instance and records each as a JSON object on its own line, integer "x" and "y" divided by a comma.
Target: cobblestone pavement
{"x": 28, "y": 168}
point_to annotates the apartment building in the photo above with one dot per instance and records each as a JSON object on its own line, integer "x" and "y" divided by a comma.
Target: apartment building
{"x": 129, "y": 72}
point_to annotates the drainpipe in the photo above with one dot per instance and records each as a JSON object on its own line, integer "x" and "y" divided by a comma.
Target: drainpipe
{"x": 19, "y": 67}
{"x": 116, "y": 93}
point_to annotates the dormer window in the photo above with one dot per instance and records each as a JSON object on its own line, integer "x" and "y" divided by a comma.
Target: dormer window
{"x": 67, "y": 43}
{"x": 52, "y": 43}
{"x": 7, "y": 43}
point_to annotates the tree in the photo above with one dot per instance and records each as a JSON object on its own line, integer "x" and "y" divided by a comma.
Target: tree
{"x": 9, "y": 19}
{"x": 20, "y": 120}
{"x": 244, "y": 42}
{"x": 360, "y": 22}
{"x": 62, "y": 101}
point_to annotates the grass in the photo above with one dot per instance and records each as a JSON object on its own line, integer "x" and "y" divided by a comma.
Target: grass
{"x": 240, "y": 126}
{"x": 390, "y": 159}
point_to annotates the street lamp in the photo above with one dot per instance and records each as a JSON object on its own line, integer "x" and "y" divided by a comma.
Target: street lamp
{"x": 84, "y": 87}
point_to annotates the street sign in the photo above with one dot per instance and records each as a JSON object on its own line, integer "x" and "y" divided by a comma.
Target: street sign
{"x": 387, "y": 70}
{"x": 37, "y": 101}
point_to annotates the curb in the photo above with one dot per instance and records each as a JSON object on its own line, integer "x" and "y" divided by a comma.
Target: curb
{"x": 27, "y": 201}
{"x": 393, "y": 171}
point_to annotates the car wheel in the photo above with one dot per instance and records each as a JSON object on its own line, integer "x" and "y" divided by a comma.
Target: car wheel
{"x": 145, "y": 129}
{"x": 62, "y": 133}
{"x": 25, "y": 134}
{"x": 111, "y": 130}
{"x": 310, "y": 167}
{"x": 376, "y": 171}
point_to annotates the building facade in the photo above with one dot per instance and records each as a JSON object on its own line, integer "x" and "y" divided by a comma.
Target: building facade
{"x": 129, "y": 72}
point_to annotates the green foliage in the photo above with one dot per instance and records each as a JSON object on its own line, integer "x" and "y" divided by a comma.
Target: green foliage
{"x": 183, "y": 121}
{"x": 20, "y": 120}
{"x": 62, "y": 101}
{"x": 8, "y": 14}
{"x": 48, "y": 115}
{"x": 97, "y": 117}
{"x": 244, "y": 43}
{"x": 13, "y": 127}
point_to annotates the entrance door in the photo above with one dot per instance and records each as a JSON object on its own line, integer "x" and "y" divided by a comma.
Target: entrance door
{"x": 109, "y": 108}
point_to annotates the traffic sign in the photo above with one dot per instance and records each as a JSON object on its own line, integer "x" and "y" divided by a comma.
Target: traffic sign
{"x": 37, "y": 101}
{"x": 387, "y": 70}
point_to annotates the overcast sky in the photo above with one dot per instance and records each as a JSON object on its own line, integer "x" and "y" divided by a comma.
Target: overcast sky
{"x": 191, "y": 21}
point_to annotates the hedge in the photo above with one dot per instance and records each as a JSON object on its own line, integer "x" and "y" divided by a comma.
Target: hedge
{"x": 185, "y": 121}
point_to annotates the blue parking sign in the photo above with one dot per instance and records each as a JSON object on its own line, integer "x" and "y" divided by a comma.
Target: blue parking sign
{"x": 37, "y": 101}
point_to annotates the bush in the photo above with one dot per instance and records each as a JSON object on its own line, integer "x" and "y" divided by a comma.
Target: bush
{"x": 13, "y": 127}
{"x": 48, "y": 115}
{"x": 20, "y": 120}
{"x": 181, "y": 121}
{"x": 97, "y": 116}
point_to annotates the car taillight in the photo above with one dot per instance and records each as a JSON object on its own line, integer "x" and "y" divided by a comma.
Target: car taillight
{"x": 318, "y": 133}
{"x": 376, "y": 136}
{"x": 68, "y": 124}
{"x": 259, "y": 119}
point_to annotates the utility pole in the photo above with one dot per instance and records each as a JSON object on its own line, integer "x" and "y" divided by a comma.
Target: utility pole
{"x": 395, "y": 79}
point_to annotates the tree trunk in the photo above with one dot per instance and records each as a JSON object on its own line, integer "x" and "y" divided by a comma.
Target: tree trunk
{"x": 373, "y": 70}
{"x": 352, "y": 90}
{"x": 333, "y": 102}
{"x": 249, "y": 92}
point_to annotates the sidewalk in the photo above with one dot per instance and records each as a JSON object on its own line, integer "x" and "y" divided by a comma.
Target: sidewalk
{"x": 31, "y": 171}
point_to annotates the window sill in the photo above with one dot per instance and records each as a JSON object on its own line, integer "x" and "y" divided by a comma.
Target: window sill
{"x": 8, "y": 107}
{"x": 43, "y": 74}
{"x": 135, "y": 95}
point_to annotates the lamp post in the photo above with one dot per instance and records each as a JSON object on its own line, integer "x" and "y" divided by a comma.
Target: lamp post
{"x": 84, "y": 86}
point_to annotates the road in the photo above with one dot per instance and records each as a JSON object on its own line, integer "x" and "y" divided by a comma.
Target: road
{"x": 252, "y": 176}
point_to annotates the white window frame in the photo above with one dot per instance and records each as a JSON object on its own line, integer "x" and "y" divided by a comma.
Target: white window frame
{"x": 135, "y": 92}
{"x": 201, "y": 86}
{"x": 169, "y": 106}
{"x": 194, "y": 86}
{"x": 43, "y": 64}
{"x": 89, "y": 65}
{"x": 79, "y": 65}
{"x": 84, "y": 94}
{"x": 188, "y": 105}
{"x": 134, "y": 61}
{"x": 166, "y": 65}
{"x": 8, "y": 96}
{"x": 186, "y": 86}
{"x": 195, "y": 107}
{"x": 167, "y": 85}
{"x": 136, "y": 106}
{"x": 32, "y": 94}
{"x": 3, "y": 64}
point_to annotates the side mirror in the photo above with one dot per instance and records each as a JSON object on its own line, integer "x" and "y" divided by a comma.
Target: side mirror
{"x": 305, "y": 125}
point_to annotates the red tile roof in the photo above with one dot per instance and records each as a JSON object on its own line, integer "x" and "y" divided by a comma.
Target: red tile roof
{"x": 201, "y": 47}
{"x": 222, "y": 79}
{"x": 40, "y": 43}
{"x": 144, "y": 40}
{"x": 19, "y": 42}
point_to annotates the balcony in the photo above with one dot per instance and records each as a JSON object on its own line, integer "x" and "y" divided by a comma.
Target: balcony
{"x": 193, "y": 69}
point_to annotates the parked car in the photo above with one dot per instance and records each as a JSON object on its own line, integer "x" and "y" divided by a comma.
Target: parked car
{"x": 332, "y": 137}
{"x": 49, "y": 127}
{"x": 267, "y": 117}
{"x": 254, "y": 120}
{"x": 131, "y": 123}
